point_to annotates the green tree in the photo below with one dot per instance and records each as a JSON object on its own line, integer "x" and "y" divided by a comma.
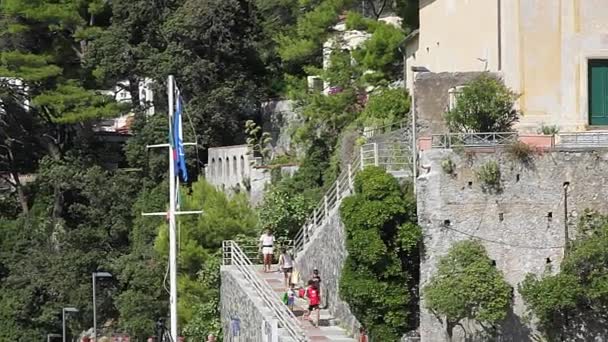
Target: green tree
{"x": 385, "y": 106}
{"x": 576, "y": 296}
{"x": 379, "y": 275}
{"x": 482, "y": 293}
{"x": 483, "y": 105}
{"x": 201, "y": 239}
{"x": 284, "y": 212}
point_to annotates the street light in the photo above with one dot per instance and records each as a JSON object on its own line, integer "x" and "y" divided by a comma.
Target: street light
{"x": 96, "y": 275}
{"x": 65, "y": 310}
{"x": 50, "y": 336}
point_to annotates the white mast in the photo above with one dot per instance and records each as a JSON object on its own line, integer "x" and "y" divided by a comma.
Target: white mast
{"x": 172, "y": 226}
{"x": 173, "y": 210}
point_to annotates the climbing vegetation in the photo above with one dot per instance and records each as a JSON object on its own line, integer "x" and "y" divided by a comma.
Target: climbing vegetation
{"x": 577, "y": 296}
{"x": 489, "y": 176}
{"x": 467, "y": 286}
{"x": 382, "y": 240}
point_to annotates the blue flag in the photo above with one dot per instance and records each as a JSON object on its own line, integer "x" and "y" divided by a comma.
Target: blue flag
{"x": 179, "y": 156}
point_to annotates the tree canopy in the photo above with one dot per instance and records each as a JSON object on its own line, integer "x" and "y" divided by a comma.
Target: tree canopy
{"x": 482, "y": 293}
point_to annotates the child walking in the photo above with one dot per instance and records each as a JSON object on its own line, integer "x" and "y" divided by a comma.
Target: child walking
{"x": 286, "y": 265}
{"x": 314, "y": 299}
{"x": 291, "y": 296}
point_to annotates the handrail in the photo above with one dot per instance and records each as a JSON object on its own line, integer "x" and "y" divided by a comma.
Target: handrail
{"x": 582, "y": 139}
{"x": 451, "y": 140}
{"x": 253, "y": 252}
{"x": 395, "y": 155}
{"x": 233, "y": 255}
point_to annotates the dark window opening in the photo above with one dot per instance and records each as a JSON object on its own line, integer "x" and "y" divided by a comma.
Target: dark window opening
{"x": 446, "y": 223}
{"x": 548, "y": 260}
{"x": 501, "y": 217}
{"x": 517, "y": 177}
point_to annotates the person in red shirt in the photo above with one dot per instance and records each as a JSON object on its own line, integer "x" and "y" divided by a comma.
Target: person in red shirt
{"x": 314, "y": 299}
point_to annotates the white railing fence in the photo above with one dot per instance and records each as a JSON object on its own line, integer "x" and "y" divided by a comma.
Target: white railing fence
{"x": 233, "y": 255}
{"x": 393, "y": 153}
{"x": 254, "y": 253}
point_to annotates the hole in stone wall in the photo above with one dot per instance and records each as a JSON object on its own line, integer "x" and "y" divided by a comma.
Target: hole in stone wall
{"x": 566, "y": 183}
{"x": 548, "y": 260}
{"x": 470, "y": 184}
{"x": 446, "y": 223}
{"x": 517, "y": 177}
{"x": 501, "y": 217}
{"x": 549, "y": 216}
{"x": 493, "y": 262}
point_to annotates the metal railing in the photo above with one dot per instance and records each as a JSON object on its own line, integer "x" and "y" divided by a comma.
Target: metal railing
{"x": 394, "y": 155}
{"x": 582, "y": 139}
{"x": 254, "y": 254}
{"x": 371, "y": 132}
{"x": 452, "y": 140}
{"x": 233, "y": 255}
{"x": 342, "y": 187}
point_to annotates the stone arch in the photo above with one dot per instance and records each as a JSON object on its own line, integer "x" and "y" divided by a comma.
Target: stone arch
{"x": 242, "y": 166}
{"x": 227, "y": 170}
{"x": 220, "y": 170}
{"x": 235, "y": 173}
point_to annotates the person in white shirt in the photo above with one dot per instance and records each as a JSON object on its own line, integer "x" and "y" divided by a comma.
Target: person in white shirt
{"x": 286, "y": 265}
{"x": 266, "y": 243}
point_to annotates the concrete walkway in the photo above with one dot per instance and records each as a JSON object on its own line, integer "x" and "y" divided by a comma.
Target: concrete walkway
{"x": 328, "y": 330}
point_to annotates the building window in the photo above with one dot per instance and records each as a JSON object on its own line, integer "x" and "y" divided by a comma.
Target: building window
{"x": 315, "y": 84}
{"x": 453, "y": 94}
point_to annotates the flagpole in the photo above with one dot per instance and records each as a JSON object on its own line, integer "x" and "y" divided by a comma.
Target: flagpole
{"x": 172, "y": 227}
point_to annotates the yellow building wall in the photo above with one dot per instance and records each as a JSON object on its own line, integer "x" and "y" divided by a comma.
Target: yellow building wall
{"x": 545, "y": 48}
{"x": 458, "y": 35}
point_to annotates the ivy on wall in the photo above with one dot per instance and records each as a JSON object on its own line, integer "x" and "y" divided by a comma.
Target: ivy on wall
{"x": 379, "y": 275}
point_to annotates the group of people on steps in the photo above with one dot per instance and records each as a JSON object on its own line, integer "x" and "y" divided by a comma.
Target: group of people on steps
{"x": 312, "y": 292}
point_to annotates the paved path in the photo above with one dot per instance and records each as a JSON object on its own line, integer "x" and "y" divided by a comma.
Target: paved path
{"x": 327, "y": 329}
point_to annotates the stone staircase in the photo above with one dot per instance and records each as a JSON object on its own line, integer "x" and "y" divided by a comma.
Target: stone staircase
{"x": 328, "y": 329}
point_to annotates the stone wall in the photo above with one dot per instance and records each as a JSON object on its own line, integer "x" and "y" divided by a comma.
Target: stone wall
{"x": 326, "y": 251}
{"x": 239, "y": 301}
{"x": 279, "y": 119}
{"x": 431, "y": 98}
{"x": 522, "y": 228}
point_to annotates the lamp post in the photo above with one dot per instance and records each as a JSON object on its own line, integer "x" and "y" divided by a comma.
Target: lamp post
{"x": 94, "y": 276}
{"x": 50, "y": 336}
{"x": 66, "y": 310}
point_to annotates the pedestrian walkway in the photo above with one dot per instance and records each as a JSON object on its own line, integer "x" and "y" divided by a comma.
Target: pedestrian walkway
{"x": 328, "y": 330}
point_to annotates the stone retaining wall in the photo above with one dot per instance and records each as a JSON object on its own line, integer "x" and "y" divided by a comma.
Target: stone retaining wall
{"x": 239, "y": 301}
{"x": 522, "y": 227}
{"x": 327, "y": 252}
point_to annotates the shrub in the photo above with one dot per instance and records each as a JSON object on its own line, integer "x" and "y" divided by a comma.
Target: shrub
{"x": 484, "y": 105}
{"x": 520, "y": 151}
{"x": 467, "y": 286}
{"x": 448, "y": 166}
{"x": 489, "y": 175}
{"x": 382, "y": 240}
{"x": 385, "y": 107}
{"x": 548, "y": 130}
